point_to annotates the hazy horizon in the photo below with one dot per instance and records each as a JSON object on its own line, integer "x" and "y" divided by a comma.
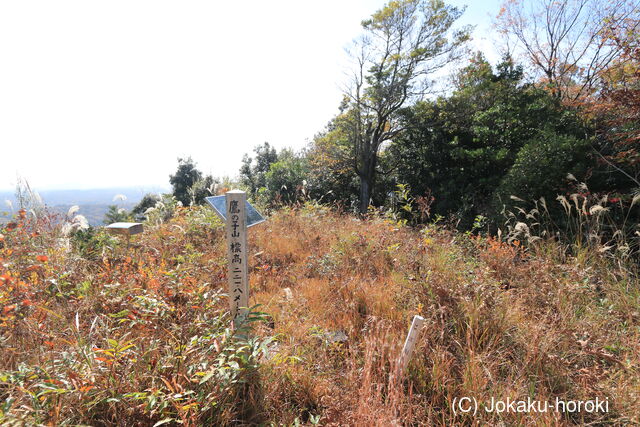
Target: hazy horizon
{"x": 99, "y": 95}
{"x": 166, "y": 187}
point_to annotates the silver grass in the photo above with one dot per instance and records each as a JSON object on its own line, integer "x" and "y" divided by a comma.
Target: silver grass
{"x": 597, "y": 209}
{"x": 522, "y": 228}
{"x": 72, "y": 211}
{"x": 565, "y": 204}
{"x": 543, "y": 202}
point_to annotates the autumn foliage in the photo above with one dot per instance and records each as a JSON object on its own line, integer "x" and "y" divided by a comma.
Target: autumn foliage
{"x": 141, "y": 336}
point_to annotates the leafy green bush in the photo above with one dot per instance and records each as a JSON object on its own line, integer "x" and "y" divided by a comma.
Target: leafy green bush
{"x": 163, "y": 209}
{"x": 286, "y": 179}
{"x": 541, "y": 166}
{"x": 148, "y": 201}
{"x": 252, "y": 174}
{"x": 190, "y": 186}
{"x": 462, "y": 147}
{"x": 90, "y": 243}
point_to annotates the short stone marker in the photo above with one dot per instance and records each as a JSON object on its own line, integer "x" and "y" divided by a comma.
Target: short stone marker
{"x": 238, "y": 215}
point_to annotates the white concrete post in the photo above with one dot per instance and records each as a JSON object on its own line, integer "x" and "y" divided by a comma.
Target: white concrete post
{"x": 410, "y": 342}
{"x": 237, "y": 252}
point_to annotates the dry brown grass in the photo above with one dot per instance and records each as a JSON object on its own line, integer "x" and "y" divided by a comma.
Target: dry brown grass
{"x": 339, "y": 294}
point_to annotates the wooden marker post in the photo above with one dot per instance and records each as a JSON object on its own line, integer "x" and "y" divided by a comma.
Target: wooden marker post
{"x": 237, "y": 251}
{"x": 237, "y": 215}
{"x": 410, "y": 342}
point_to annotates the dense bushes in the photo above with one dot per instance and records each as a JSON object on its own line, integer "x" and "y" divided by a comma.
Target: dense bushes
{"x": 285, "y": 181}
{"x": 541, "y": 167}
{"x": 463, "y": 148}
{"x": 494, "y": 136}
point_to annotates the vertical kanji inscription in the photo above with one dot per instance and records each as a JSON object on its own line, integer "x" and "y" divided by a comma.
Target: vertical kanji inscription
{"x": 237, "y": 252}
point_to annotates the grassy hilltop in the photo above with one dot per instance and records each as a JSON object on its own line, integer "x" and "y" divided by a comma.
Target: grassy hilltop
{"x": 94, "y": 333}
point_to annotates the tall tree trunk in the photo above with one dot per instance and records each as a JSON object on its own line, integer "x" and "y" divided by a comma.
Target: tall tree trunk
{"x": 366, "y": 184}
{"x": 367, "y": 177}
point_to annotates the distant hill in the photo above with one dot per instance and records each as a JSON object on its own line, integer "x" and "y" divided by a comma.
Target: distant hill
{"x": 93, "y": 203}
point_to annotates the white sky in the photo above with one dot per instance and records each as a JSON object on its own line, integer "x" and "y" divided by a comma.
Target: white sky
{"x": 110, "y": 93}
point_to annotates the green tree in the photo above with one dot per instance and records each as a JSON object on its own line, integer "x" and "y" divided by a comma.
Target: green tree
{"x": 252, "y": 173}
{"x": 189, "y": 184}
{"x": 116, "y": 214}
{"x": 287, "y": 178}
{"x": 460, "y": 148}
{"x": 541, "y": 166}
{"x": 404, "y": 43}
{"x": 148, "y": 201}
{"x": 330, "y": 162}
{"x": 202, "y": 188}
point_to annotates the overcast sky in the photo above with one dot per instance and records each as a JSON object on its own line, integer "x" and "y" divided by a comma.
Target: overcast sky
{"x": 110, "y": 93}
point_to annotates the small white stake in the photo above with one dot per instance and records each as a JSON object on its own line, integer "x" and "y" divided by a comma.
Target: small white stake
{"x": 410, "y": 342}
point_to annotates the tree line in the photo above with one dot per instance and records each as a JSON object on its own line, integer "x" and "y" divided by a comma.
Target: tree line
{"x": 557, "y": 116}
